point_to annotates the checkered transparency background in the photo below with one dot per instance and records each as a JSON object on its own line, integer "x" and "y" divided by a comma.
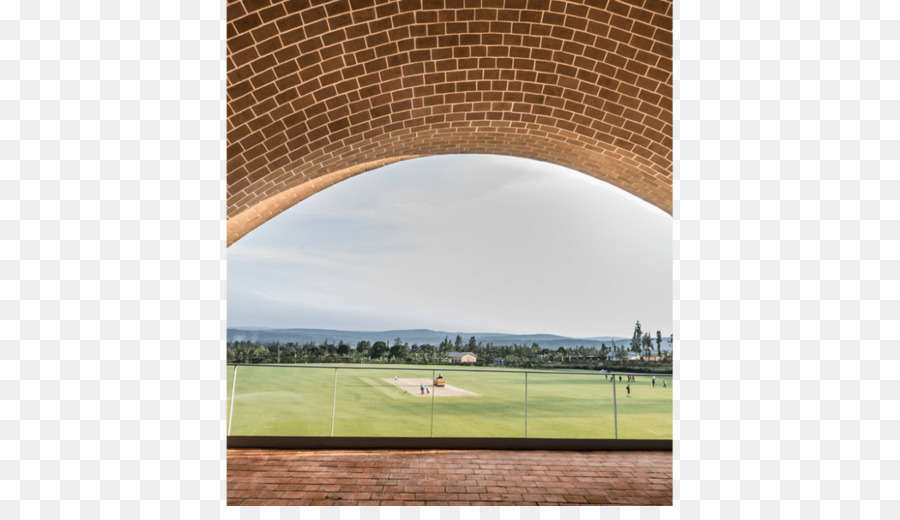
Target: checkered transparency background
{"x": 112, "y": 264}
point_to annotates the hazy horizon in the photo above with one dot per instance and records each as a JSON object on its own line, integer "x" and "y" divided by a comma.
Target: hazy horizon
{"x": 491, "y": 332}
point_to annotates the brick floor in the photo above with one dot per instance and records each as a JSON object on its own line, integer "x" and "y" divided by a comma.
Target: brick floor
{"x": 448, "y": 477}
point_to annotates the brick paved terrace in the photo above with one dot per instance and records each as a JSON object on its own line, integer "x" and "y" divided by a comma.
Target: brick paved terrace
{"x": 448, "y": 477}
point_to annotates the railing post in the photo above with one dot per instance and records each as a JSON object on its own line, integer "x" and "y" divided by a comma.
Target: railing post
{"x": 526, "y": 405}
{"x": 615, "y": 412}
{"x": 334, "y": 401}
{"x": 433, "y": 389}
{"x": 231, "y": 412}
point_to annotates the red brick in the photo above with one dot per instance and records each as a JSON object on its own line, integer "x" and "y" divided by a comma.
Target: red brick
{"x": 561, "y": 68}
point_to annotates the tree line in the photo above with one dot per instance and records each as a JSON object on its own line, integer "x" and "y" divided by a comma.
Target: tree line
{"x": 514, "y": 355}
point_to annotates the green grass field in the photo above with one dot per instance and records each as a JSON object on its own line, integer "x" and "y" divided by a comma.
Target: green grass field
{"x": 298, "y": 402}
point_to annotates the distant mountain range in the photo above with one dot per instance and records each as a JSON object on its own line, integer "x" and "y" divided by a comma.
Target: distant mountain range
{"x": 420, "y": 336}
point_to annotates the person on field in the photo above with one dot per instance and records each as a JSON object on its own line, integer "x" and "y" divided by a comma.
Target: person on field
{"x": 653, "y": 382}
{"x": 620, "y": 379}
{"x": 664, "y": 384}
{"x": 629, "y": 390}
{"x": 422, "y": 387}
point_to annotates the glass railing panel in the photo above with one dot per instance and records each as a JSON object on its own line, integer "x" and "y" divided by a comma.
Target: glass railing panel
{"x": 282, "y": 401}
{"x": 383, "y": 402}
{"x": 480, "y": 403}
{"x": 229, "y": 378}
{"x": 647, "y": 413}
{"x": 570, "y": 406}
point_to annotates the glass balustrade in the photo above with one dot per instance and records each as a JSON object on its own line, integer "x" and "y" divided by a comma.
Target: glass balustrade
{"x": 403, "y": 401}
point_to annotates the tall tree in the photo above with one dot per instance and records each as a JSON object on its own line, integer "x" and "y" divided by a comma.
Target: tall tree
{"x": 647, "y": 342}
{"x": 636, "y": 338}
{"x": 659, "y": 344}
{"x": 458, "y": 342}
{"x": 473, "y": 344}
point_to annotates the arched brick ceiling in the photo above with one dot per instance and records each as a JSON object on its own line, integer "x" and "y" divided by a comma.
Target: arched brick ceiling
{"x": 321, "y": 91}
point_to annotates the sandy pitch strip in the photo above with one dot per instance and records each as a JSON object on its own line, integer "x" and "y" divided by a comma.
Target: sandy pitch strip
{"x": 411, "y": 385}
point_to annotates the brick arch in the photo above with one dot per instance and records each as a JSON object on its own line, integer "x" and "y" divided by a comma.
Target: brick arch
{"x": 321, "y": 91}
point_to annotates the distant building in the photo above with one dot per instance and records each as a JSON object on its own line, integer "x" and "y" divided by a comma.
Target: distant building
{"x": 461, "y": 357}
{"x": 576, "y": 359}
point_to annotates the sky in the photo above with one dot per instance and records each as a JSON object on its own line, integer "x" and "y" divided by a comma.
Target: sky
{"x": 460, "y": 243}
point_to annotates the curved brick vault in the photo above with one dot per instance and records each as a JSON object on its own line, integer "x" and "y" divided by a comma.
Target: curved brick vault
{"x": 321, "y": 91}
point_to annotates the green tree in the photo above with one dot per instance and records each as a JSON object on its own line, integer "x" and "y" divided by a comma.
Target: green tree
{"x": 362, "y": 350}
{"x": 473, "y": 344}
{"x": 636, "y": 337}
{"x": 428, "y": 352}
{"x": 647, "y": 343}
{"x": 398, "y": 351}
{"x": 379, "y": 349}
{"x": 458, "y": 342}
{"x": 659, "y": 344}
